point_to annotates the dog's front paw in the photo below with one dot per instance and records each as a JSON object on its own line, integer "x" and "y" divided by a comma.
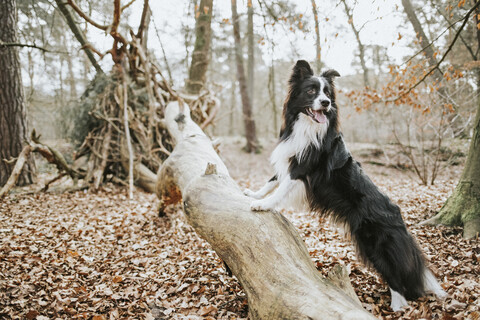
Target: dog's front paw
{"x": 251, "y": 194}
{"x": 260, "y": 205}
{"x": 248, "y": 193}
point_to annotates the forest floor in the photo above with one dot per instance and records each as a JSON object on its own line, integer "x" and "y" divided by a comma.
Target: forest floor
{"x": 98, "y": 255}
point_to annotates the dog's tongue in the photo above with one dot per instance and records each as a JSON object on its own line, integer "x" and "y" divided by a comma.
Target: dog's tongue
{"x": 319, "y": 116}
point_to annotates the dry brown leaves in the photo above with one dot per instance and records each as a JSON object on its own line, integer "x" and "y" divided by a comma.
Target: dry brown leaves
{"x": 100, "y": 256}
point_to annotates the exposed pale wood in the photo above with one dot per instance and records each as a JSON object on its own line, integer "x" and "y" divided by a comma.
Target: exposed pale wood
{"x": 143, "y": 177}
{"x": 100, "y": 170}
{"x": 12, "y": 180}
{"x": 262, "y": 249}
{"x": 128, "y": 139}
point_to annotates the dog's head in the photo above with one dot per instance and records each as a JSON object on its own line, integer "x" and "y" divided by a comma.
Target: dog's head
{"x": 313, "y": 96}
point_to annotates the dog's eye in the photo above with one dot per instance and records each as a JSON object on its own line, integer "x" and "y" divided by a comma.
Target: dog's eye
{"x": 311, "y": 91}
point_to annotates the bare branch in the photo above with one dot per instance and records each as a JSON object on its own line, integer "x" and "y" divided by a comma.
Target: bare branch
{"x": 432, "y": 42}
{"x": 22, "y": 158}
{"x": 467, "y": 46}
{"x": 127, "y": 5}
{"x": 26, "y": 45}
{"x": 163, "y": 52}
{"x": 143, "y": 20}
{"x": 84, "y": 16}
{"x": 436, "y": 67}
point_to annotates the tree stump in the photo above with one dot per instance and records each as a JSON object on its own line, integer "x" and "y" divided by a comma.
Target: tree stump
{"x": 262, "y": 249}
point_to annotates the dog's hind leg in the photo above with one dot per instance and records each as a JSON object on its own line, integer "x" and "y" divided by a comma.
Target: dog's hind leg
{"x": 398, "y": 301}
{"x": 432, "y": 285}
{"x": 266, "y": 189}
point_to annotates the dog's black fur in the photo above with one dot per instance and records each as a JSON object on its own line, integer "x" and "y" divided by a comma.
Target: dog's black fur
{"x": 337, "y": 186}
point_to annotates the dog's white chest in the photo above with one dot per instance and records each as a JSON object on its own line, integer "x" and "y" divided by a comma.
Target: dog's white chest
{"x": 305, "y": 132}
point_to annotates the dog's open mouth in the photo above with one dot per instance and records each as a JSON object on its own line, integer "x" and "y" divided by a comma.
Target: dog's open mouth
{"x": 317, "y": 115}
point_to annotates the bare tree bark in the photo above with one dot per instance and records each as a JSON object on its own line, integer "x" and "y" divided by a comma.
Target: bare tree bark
{"x": 249, "y": 122}
{"x": 13, "y": 123}
{"x": 273, "y": 97}
{"x": 200, "y": 55}
{"x": 71, "y": 78}
{"x": 424, "y": 41}
{"x": 262, "y": 249}
{"x": 318, "y": 58}
{"x": 361, "y": 47}
{"x": 233, "y": 108}
{"x": 251, "y": 53}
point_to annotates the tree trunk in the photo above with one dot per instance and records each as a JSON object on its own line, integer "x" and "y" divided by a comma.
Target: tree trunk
{"x": 251, "y": 54}
{"x": 463, "y": 206}
{"x": 71, "y": 78}
{"x": 318, "y": 59}
{"x": 200, "y": 55}
{"x": 233, "y": 109}
{"x": 78, "y": 33}
{"x": 13, "y": 123}
{"x": 273, "y": 97}
{"x": 262, "y": 249}
{"x": 249, "y": 122}
{"x": 361, "y": 47}
{"x": 424, "y": 41}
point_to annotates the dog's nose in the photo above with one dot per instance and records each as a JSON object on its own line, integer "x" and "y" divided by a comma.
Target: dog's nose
{"x": 325, "y": 103}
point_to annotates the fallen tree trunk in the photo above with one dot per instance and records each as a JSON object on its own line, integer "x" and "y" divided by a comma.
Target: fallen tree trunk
{"x": 262, "y": 249}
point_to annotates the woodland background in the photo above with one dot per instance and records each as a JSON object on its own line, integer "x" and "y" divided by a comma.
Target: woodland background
{"x": 77, "y": 240}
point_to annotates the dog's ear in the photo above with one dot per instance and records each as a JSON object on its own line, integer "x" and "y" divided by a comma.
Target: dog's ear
{"x": 301, "y": 70}
{"x": 330, "y": 74}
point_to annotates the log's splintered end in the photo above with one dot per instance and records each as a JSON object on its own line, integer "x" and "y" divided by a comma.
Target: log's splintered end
{"x": 211, "y": 169}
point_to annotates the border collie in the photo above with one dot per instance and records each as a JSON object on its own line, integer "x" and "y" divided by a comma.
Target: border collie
{"x": 313, "y": 164}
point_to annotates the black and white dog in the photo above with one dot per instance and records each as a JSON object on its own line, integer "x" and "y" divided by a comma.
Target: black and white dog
{"x": 313, "y": 164}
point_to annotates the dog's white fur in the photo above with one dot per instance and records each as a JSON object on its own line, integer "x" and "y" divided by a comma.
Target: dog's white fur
{"x": 431, "y": 286}
{"x": 321, "y": 97}
{"x": 398, "y": 301}
{"x": 289, "y": 192}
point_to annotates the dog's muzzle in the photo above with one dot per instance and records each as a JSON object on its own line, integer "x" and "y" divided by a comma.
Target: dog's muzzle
{"x": 317, "y": 115}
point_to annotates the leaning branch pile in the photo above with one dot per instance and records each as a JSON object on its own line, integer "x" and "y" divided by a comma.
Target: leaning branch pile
{"x": 119, "y": 121}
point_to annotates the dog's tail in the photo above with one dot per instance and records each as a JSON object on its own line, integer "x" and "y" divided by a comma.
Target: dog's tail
{"x": 393, "y": 252}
